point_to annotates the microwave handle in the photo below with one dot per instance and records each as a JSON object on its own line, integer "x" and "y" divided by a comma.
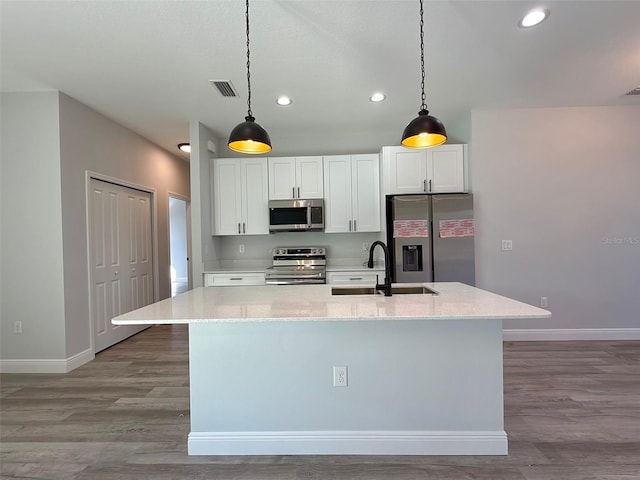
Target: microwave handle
{"x": 308, "y": 217}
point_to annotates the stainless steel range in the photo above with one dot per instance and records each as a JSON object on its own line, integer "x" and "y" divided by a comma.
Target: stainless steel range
{"x": 297, "y": 265}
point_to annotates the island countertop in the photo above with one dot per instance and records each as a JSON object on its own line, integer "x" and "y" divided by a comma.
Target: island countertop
{"x": 306, "y": 303}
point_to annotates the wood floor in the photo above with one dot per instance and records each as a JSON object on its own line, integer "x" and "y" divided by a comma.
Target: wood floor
{"x": 572, "y": 411}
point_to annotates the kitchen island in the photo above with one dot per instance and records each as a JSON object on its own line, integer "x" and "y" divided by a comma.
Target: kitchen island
{"x": 423, "y": 372}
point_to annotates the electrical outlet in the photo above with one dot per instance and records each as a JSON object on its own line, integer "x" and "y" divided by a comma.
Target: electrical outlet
{"x": 17, "y": 327}
{"x": 365, "y": 246}
{"x": 543, "y": 301}
{"x": 340, "y": 376}
{"x": 507, "y": 245}
{"x": 241, "y": 248}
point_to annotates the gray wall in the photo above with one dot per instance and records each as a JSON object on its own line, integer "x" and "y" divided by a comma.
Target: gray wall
{"x": 90, "y": 141}
{"x": 49, "y": 143}
{"x": 562, "y": 183}
{"x": 31, "y": 218}
{"x": 204, "y": 247}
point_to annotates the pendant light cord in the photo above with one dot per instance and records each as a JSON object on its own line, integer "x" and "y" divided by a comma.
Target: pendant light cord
{"x": 250, "y": 115}
{"x": 424, "y": 97}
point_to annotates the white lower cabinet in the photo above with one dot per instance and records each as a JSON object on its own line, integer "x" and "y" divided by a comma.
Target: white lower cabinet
{"x": 355, "y": 277}
{"x": 352, "y": 193}
{"x": 233, "y": 279}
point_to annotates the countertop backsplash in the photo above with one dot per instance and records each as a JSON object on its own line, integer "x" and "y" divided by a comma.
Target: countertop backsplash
{"x": 343, "y": 250}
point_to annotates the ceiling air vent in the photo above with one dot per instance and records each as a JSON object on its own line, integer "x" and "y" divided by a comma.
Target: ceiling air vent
{"x": 635, "y": 91}
{"x": 224, "y": 87}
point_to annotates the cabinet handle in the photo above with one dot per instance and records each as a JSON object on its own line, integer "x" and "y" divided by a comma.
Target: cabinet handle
{"x": 355, "y": 229}
{"x": 349, "y": 225}
{"x": 355, "y": 278}
{"x": 235, "y": 278}
{"x": 424, "y": 185}
{"x": 238, "y": 227}
{"x": 244, "y": 227}
{"x": 293, "y": 192}
{"x": 429, "y": 185}
{"x": 298, "y": 192}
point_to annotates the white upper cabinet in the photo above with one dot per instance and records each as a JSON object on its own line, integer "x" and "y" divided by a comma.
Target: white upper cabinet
{"x": 445, "y": 169}
{"x": 352, "y": 193}
{"x": 434, "y": 170}
{"x": 240, "y": 196}
{"x": 295, "y": 177}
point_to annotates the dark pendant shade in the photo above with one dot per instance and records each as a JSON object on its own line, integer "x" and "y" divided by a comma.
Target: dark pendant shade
{"x": 424, "y": 131}
{"x": 249, "y": 137}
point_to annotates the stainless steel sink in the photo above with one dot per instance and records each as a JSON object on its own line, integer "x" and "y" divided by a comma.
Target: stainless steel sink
{"x": 412, "y": 291}
{"x": 353, "y": 291}
{"x": 396, "y": 290}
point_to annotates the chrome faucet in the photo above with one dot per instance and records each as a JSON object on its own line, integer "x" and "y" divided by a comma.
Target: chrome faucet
{"x": 387, "y": 267}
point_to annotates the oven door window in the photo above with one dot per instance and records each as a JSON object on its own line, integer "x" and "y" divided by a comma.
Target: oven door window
{"x": 288, "y": 216}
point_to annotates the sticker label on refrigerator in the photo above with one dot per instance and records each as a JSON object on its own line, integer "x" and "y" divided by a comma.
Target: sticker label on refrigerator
{"x": 410, "y": 228}
{"x": 457, "y": 228}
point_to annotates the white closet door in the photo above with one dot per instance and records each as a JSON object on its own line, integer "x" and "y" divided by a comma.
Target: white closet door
{"x": 121, "y": 260}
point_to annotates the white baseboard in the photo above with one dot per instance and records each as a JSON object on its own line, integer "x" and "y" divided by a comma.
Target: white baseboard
{"x": 571, "y": 334}
{"x": 46, "y": 365}
{"x": 349, "y": 443}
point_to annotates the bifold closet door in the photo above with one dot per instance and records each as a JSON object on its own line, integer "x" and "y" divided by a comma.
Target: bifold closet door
{"x": 120, "y": 243}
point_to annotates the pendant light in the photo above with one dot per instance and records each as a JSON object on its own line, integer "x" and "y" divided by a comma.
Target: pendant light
{"x": 424, "y": 131}
{"x": 248, "y": 136}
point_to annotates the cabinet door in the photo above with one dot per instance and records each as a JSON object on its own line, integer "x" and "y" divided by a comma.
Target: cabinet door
{"x": 365, "y": 188}
{"x": 309, "y": 177}
{"x": 446, "y": 169}
{"x": 227, "y": 196}
{"x": 233, "y": 279}
{"x": 337, "y": 186}
{"x": 282, "y": 177}
{"x": 255, "y": 197}
{"x": 367, "y": 277}
{"x": 407, "y": 170}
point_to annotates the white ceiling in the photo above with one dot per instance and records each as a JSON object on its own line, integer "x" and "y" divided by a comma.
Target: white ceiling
{"x": 147, "y": 64}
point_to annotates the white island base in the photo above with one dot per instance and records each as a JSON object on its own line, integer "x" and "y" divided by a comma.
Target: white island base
{"x": 424, "y": 372}
{"x": 414, "y": 387}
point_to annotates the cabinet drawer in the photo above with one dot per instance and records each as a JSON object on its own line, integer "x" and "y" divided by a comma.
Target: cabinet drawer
{"x": 233, "y": 279}
{"x": 354, "y": 278}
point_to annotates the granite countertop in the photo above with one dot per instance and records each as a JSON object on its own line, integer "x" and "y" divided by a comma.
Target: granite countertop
{"x": 260, "y": 267}
{"x": 296, "y": 303}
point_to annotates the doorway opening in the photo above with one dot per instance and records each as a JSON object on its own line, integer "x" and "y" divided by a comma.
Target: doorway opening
{"x": 179, "y": 245}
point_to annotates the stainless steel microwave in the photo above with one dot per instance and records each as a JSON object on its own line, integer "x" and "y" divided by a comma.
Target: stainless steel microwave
{"x": 296, "y": 215}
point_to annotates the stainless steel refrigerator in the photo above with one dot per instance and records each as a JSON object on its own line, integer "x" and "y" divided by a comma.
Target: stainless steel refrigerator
{"x": 431, "y": 238}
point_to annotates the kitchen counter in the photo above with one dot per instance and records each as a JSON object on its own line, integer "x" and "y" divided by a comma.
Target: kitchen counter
{"x": 423, "y": 372}
{"x": 304, "y": 303}
{"x": 257, "y": 268}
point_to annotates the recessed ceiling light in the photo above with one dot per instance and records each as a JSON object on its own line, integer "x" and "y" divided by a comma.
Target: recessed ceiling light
{"x": 283, "y": 100}
{"x": 533, "y": 18}
{"x": 377, "y": 97}
{"x": 185, "y": 147}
